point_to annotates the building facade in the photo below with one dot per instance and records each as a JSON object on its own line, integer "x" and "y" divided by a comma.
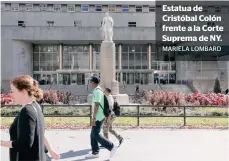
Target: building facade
{"x": 59, "y": 43}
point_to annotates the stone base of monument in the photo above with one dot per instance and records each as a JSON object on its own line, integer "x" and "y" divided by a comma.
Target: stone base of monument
{"x": 107, "y": 70}
{"x": 122, "y": 99}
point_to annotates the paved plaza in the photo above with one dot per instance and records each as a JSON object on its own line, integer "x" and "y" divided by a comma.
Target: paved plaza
{"x": 143, "y": 145}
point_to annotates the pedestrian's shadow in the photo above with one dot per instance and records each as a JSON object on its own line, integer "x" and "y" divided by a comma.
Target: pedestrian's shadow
{"x": 88, "y": 159}
{"x": 72, "y": 153}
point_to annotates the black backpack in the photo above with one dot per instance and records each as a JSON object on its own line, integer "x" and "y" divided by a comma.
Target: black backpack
{"x": 116, "y": 109}
{"x": 106, "y": 109}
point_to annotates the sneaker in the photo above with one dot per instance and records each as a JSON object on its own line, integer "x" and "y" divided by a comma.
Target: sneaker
{"x": 113, "y": 151}
{"x": 120, "y": 141}
{"x": 91, "y": 156}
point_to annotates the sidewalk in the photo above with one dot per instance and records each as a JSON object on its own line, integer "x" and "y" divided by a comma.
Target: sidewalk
{"x": 143, "y": 145}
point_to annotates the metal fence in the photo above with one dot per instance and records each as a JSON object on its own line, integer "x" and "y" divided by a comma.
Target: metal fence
{"x": 137, "y": 111}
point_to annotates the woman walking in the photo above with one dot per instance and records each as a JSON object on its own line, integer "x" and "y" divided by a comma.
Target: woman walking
{"x": 27, "y": 138}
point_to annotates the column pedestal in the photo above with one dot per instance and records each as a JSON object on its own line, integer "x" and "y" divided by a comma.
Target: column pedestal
{"x": 107, "y": 72}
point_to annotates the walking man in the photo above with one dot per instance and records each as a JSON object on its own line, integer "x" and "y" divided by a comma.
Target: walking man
{"x": 97, "y": 121}
{"x": 108, "y": 124}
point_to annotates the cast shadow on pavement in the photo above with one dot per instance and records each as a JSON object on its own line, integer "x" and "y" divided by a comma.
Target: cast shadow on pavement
{"x": 88, "y": 159}
{"x": 71, "y": 153}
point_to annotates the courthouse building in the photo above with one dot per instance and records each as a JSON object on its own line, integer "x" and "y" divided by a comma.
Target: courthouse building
{"x": 59, "y": 43}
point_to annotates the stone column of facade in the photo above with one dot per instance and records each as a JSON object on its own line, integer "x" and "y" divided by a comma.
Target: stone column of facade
{"x": 61, "y": 56}
{"x": 60, "y": 60}
{"x": 149, "y": 56}
{"x": 181, "y": 71}
{"x": 90, "y": 57}
{"x": 94, "y": 55}
{"x": 90, "y": 65}
{"x": 149, "y": 64}
{"x": 120, "y": 62}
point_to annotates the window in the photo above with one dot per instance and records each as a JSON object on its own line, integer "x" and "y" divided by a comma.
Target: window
{"x": 21, "y": 23}
{"x": 14, "y": 7}
{"x": 50, "y": 23}
{"x": 131, "y": 24}
{"x": 64, "y": 8}
{"x": 117, "y": 57}
{"x": 43, "y": 7}
{"x": 138, "y": 8}
{"x": 134, "y": 56}
{"x": 111, "y": 8}
{"x": 28, "y": 7}
{"x": 57, "y": 7}
{"x": 50, "y": 8}
{"x": 78, "y": 23}
{"x": 7, "y": 7}
{"x": 217, "y": 9}
{"x": 125, "y": 8}
{"x": 118, "y": 8}
{"x": 22, "y": 7}
{"x": 75, "y": 57}
{"x": 77, "y": 8}
{"x": 125, "y": 61}
{"x": 98, "y": 8}
{"x": 132, "y": 8}
{"x": 151, "y": 9}
{"x": 71, "y": 8}
{"x": 36, "y": 7}
{"x": 91, "y": 8}
{"x": 145, "y": 9}
{"x": 105, "y": 8}
{"x": 84, "y": 8}
{"x": 45, "y": 58}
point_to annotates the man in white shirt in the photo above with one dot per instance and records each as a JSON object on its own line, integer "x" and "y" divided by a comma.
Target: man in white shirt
{"x": 108, "y": 125}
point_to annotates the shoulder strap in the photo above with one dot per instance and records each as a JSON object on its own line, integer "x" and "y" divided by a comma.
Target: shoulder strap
{"x": 100, "y": 89}
{"x": 103, "y": 96}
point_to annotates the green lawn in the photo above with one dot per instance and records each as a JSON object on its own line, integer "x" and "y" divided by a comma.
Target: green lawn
{"x": 82, "y": 111}
{"x": 81, "y": 122}
{"x": 68, "y": 122}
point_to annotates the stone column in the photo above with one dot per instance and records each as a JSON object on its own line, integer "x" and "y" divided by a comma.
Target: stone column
{"x": 181, "y": 72}
{"x": 120, "y": 62}
{"x": 107, "y": 72}
{"x": 152, "y": 77}
{"x": 149, "y": 63}
{"x": 149, "y": 56}
{"x": 94, "y": 55}
{"x": 107, "y": 67}
{"x": 57, "y": 78}
{"x": 90, "y": 57}
{"x": 61, "y": 56}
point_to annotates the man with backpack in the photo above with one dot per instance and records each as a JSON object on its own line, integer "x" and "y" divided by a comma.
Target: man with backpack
{"x": 115, "y": 111}
{"x": 99, "y": 111}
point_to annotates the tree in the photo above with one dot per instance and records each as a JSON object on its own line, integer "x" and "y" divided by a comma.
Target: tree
{"x": 217, "y": 88}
